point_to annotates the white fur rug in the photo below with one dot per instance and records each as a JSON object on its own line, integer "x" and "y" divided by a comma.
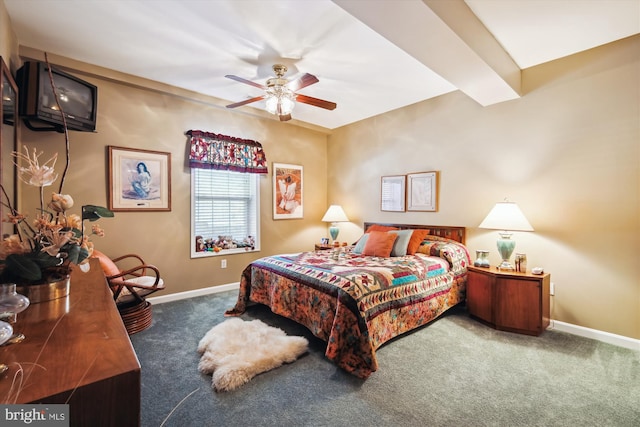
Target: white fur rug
{"x": 235, "y": 351}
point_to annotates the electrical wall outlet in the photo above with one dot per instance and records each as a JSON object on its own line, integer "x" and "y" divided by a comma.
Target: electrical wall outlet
{"x": 223, "y": 263}
{"x": 552, "y": 288}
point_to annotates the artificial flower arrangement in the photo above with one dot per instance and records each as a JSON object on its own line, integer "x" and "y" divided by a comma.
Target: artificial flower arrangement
{"x": 45, "y": 250}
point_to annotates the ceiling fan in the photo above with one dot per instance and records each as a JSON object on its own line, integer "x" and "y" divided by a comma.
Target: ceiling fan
{"x": 280, "y": 93}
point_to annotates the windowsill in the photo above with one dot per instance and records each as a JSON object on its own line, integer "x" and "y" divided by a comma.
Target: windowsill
{"x": 223, "y": 252}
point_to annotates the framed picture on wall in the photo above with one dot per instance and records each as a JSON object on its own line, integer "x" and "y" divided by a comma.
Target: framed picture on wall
{"x": 287, "y": 191}
{"x": 392, "y": 193}
{"x": 139, "y": 180}
{"x": 422, "y": 191}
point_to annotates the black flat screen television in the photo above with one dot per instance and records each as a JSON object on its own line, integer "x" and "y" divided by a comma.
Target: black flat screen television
{"x": 37, "y": 104}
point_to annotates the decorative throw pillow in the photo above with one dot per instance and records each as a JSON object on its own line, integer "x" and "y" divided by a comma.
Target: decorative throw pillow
{"x": 359, "y": 248}
{"x": 416, "y": 240}
{"x": 379, "y": 244}
{"x": 401, "y": 243}
{"x": 108, "y": 266}
{"x": 379, "y": 227}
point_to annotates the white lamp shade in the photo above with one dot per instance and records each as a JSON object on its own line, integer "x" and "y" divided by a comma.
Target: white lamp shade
{"x": 335, "y": 214}
{"x": 506, "y": 216}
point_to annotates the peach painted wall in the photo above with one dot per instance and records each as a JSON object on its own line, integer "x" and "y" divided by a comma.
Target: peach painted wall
{"x": 140, "y": 114}
{"x": 568, "y": 152}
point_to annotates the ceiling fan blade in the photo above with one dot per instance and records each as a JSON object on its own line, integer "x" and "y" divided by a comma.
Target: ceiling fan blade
{"x": 327, "y": 105}
{"x": 246, "y": 101}
{"x": 302, "y": 81}
{"x": 285, "y": 117}
{"x": 245, "y": 81}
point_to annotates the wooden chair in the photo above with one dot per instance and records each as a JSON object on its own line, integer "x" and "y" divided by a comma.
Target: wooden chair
{"x": 131, "y": 280}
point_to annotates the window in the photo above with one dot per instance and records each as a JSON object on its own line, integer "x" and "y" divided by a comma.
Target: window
{"x": 224, "y": 203}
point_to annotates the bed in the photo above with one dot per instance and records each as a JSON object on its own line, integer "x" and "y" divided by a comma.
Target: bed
{"x": 357, "y": 299}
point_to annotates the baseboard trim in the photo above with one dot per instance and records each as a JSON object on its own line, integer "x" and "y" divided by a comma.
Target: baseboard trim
{"x": 609, "y": 338}
{"x": 195, "y": 293}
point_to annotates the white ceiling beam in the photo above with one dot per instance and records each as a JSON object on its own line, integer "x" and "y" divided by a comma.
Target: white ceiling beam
{"x": 446, "y": 37}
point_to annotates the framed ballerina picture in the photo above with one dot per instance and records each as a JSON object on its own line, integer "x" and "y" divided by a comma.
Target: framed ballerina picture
{"x": 287, "y": 191}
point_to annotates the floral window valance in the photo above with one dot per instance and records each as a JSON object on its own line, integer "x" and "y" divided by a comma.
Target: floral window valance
{"x": 213, "y": 151}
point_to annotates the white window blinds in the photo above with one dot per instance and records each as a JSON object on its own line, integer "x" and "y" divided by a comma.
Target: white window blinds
{"x": 225, "y": 203}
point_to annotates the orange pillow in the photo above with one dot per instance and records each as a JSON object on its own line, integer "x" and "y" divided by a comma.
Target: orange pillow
{"x": 417, "y": 237}
{"x": 378, "y": 227}
{"x": 379, "y": 244}
{"x": 109, "y": 267}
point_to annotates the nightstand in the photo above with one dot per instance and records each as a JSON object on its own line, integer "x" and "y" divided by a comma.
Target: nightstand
{"x": 508, "y": 300}
{"x": 321, "y": 247}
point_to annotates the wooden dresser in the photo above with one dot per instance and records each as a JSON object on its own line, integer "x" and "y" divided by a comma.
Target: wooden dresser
{"x": 87, "y": 361}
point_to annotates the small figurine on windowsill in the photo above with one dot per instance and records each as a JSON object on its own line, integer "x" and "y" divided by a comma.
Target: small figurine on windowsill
{"x": 199, "y": 244}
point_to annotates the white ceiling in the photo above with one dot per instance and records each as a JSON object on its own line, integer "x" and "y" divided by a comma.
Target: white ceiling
{"x": 370, "y": 56}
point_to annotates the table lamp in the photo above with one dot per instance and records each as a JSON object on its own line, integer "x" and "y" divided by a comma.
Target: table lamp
{"x": 506, "y": 216}
{"x": 334, "y": 215}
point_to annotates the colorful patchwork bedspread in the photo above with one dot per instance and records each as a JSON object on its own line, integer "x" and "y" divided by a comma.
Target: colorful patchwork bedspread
{"x": 356, "y": 303}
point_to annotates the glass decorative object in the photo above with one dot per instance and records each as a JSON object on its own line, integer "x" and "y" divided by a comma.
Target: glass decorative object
{"x": 11, "y": 302}
{"x": 482, "y": 259}
{"x": 6, "y": 330}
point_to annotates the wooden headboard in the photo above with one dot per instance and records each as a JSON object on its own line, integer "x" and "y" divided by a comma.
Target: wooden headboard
{"x": 449, "y": 232}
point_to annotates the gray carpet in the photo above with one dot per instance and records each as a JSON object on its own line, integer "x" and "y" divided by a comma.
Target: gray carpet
{"x": 453, "y": 372}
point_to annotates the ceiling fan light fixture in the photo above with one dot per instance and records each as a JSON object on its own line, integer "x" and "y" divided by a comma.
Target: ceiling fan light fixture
{"x": 280, "y": 101}
{"x": 281, "y": 95}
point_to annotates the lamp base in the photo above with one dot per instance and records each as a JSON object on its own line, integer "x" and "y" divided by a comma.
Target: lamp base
{"x": 333, "y": 231}
{"x": 505, "y": 248}
{"x": 505, "y": 265}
